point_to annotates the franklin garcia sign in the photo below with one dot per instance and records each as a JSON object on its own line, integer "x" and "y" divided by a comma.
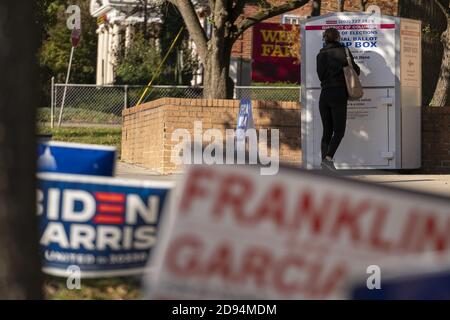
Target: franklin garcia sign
{"x": 234, "y": 234}
{"x": 104, "y": 226}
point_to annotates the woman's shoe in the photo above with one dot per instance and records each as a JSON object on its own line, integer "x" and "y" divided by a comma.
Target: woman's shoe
{"x": 328, "y": 164}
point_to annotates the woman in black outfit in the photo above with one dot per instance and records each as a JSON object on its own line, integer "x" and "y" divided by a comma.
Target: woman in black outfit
{"x": 333, "y": 98}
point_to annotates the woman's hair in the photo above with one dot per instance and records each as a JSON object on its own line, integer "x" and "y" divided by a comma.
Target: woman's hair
{"x": 331, "y": 35}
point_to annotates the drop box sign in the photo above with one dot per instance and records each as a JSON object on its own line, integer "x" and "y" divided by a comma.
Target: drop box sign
{"x": 371, "y": 40}
{"x": 104, "y": 226}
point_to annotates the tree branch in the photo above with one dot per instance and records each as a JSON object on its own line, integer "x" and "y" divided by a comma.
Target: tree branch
{"x": 221, "y": 14}
{"x": 196, "y": 31}
{"x": 138, "y": 8}
{"x": 237, "y": 10}
{"x": 362, "y": 5}
{"x": 268, "y": 13}
{"x": 212, "y": 4}
{"x": 445, "y": 11}
{"x": 341, "y": 4}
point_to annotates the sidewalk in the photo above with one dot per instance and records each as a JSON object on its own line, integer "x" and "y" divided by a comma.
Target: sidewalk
{"x": 437, "y": 184}
{"x": 131, "y": 171}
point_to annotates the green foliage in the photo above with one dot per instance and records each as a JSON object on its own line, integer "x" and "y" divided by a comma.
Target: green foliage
{"x": 55, "y": 51}
{"x": 139, "y": 63}
{"x": 189, "y": 66}
{"x": 126, "y": 288}
{"x": 433, "y": 34}
{"x": 136, "y": 66}
{"x": 48, "y": 12}
{"x": 181, "y": 63}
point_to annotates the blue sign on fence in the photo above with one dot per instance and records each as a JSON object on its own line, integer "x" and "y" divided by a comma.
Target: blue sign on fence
{"x": 104, "y": 226}
{"x": 245, "y": 119}
{"x": 75, "y": 158}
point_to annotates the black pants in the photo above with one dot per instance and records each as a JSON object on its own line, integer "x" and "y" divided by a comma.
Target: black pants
{"x": 333, "y": 111}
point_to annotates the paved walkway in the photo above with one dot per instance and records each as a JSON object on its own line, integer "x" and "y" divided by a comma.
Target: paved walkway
{"x": 438, "y": 184}
{"x": 131, "y": 171}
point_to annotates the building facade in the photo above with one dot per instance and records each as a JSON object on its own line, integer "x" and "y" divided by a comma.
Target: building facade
{"x": 244, "y": 48}
{"x": 118, "y": 19}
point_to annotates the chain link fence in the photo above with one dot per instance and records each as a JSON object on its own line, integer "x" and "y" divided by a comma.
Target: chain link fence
{"x": 267, "y": 93}
{"x": 85, "y": 105}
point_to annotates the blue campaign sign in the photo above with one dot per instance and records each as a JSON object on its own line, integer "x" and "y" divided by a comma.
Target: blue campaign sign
{"x": 245, "y": 119}
{"x": 76, "y": 158}
{"x": 426, "y": 286}
{"x": 104, "y": 226}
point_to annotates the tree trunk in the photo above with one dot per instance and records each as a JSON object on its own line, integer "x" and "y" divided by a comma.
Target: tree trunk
{"x": 227, "y": 26}
{"x": 215, "y": 83}
{"x": 217, "y": 62}
{"x": 441, "y": 94}
{"x": 341, "y": 4}
{"x": 20, "y": 271}
{"x": 316, "y": 6}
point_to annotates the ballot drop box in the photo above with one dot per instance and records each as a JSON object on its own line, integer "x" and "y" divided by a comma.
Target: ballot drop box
{"x": 384, "y": 127}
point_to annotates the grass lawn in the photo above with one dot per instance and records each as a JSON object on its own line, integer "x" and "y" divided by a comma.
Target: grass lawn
{"x": 77, "y": 115}
{"x": 127, "y": 288}
{"x": 110, "y": 136}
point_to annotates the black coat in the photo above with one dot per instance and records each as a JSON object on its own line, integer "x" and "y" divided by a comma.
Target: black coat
{"x": 330, "y": 63}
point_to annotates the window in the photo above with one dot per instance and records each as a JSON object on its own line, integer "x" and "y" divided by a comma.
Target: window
{"x": 291, "y": 19}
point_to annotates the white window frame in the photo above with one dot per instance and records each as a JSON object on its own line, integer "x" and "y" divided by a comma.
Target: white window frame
{"x": 288, "y": 18}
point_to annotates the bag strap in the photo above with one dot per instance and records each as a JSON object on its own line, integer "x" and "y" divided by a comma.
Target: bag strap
{"x": 347, "y": 54}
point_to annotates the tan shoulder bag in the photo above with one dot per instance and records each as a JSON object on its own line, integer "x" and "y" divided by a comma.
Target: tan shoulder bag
{"x": 354, "y": 87}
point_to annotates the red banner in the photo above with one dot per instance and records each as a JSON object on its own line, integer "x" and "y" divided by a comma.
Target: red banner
{"x": 275, "y": 53}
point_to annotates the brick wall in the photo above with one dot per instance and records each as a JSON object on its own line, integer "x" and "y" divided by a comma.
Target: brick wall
{"x": 147, "y": 129}
{"x": 243, "y": 46}
{"x": 436, "y": 140}
{"x": 388, "y": 7}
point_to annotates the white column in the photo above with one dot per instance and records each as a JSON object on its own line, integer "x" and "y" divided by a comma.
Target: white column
{"x": 105, "y": 55}
{"x": 115, "y": 49}
{"x": 128, "y": 34}
{"x": 110, "y": 73}
{"x": 99, "y": 78}
{"x": 106, "y": 47}
{"x": 99, "y": 56}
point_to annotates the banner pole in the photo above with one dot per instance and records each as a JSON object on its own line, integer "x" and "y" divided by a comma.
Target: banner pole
{"x": 65, "y": 87}
{"x": 158, "y": 70}
{"x": 52, "y": 102}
